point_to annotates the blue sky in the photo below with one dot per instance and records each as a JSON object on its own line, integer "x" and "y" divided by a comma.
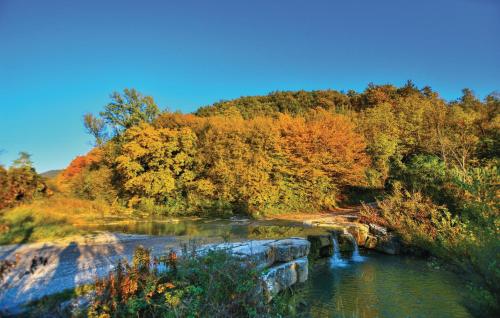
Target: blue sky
{"x": 61, "y": 59}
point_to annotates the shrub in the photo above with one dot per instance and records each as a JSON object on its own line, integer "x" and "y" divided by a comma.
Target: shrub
{"x": 215, "y": 284}
{"x": 467, "y": 240}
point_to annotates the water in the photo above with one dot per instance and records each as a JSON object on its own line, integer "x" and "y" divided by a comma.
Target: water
{"x": 357, "y": 284}
{"x": 208, "y": 229}
{"x": 356, "y": 257}
{"x": 383, "y": 286}
{"x": 336, "y": 260}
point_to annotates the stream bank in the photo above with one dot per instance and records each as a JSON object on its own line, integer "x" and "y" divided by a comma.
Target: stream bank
{"x": 364, "y": 286}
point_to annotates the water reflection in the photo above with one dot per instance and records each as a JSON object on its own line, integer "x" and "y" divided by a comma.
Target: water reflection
{"x": 238, "y": 229}
{"x": 382, "y": 286}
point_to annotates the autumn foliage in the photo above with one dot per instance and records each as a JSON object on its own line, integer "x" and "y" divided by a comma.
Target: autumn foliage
{"x": 80, "y": 163}
{"x": 223, "y": 164}
{"x": 283, "y": 152}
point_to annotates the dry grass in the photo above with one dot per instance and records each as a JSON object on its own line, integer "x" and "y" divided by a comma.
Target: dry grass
{"x": 51, "y": 218}
{"x": 74, "y": 211}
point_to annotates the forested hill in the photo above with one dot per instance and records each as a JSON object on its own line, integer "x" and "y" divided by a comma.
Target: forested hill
{"x": 51, "y": 173}
{"x": 283, "y": 152}
{"x": 299, "y": 102}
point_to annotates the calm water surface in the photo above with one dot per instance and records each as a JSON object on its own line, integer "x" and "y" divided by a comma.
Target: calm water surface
{"x": 375, "y": 285}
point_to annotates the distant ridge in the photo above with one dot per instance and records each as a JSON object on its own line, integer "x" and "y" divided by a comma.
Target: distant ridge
{"x": 51, "y": 173}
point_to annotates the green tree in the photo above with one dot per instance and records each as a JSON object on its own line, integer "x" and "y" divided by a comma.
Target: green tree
{"x": 129, "y": 109}
{"x": 96, "y": 127}
{"x": 24, "y": 161}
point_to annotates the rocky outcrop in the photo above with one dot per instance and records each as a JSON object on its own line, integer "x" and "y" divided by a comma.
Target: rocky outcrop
{"x": 342, "y": 224}
{"x": 382, "y": 240}
{"x": 346, "y": 243}
{"x": 388, "y": 244}
{"x": 359, "y": 231}
{"x": 321, "y": 245}
{"x": 371, "y": 242}
{"x": 377, "y": 229}
{"x": 346, "y": 228}
{"x": 282, "y": 276}
{"x": 284, "y": 261}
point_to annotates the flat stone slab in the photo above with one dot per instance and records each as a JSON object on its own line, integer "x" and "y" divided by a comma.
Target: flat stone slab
{"x": 79, "y": 260}
{"x": 265, "y": 253}
{"x": 70, "y": 262}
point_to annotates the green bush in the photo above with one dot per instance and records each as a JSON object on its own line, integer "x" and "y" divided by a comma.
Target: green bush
{"x": 467, "y": 240}
{"x": 426, "y": 174}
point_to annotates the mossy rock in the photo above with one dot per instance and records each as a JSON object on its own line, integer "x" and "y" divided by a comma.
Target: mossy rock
{"x": 345, "y": 243}
{"x": 321, "y": 245}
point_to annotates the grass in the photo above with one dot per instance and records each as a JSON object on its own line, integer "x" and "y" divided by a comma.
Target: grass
{"x": 49, "y": 219}
{"x": 25, "y": 225}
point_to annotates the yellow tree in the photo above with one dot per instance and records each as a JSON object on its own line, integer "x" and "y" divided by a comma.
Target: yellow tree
{"x": 155, "y": 163}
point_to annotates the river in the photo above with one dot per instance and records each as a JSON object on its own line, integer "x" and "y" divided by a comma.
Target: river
{"x": 373, "y": 285}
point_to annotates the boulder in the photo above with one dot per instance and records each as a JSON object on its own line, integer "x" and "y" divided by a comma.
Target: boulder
{"x": 264, "y": 253}
{"x": 283, "y": 276}
{"x": 256, "y": 252}
{"x": 284, "y": 261}
{"x": 388, "y": 244}
{"x": 321, "y": 245}
{"x": 371, "y": 242}
{"x": 377, "y": 230}
{"x": 346, "y": 242}
{"x": 289, "y": 249}
{"x": 359, "y": 231}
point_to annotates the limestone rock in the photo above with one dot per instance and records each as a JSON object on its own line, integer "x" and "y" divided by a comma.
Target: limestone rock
{"x": 345, "y": 242}
{"x": 283, "y": 276}
{"x": 290, "y": 249}
{"x": 321, "y": 245}
{"x": 264, "y": 253}
{"x": 254, "y": 251}
{"x": 377, "y": 230}
{"x": 360, "y": 232}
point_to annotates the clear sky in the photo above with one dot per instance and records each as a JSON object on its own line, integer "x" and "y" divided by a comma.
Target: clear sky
{"x": 61, "y": 59}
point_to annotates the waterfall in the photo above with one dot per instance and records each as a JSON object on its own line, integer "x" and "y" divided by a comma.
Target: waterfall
{"x": 336, "y": 260}
{"x": 355, "y": 254}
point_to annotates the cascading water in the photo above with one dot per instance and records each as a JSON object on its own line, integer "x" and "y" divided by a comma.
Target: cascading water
{"x": 356, "y": 257}
{"x": 336, "y": 259}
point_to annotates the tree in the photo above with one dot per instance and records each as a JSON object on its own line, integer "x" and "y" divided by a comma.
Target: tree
{"x": 325, "y": 154}
{"x": 96, "y": 127}
{"x": 4, "y": 188}
{"x": 128, "y": 110}
{"x": 240, "y": 160}
{"x": 20, "y": 182}
{"x": 156, "y": 163}
{"x": 24, "y": 161}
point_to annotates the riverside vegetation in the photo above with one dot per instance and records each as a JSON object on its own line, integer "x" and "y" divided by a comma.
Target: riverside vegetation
{"x": 432, "y": 164}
